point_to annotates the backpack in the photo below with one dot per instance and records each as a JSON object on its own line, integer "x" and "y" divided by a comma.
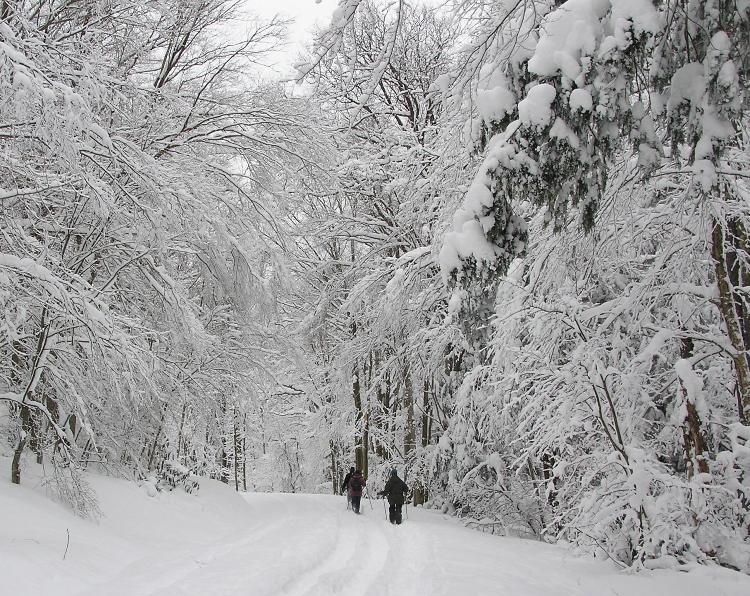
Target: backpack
{"x": 356, "y": 483}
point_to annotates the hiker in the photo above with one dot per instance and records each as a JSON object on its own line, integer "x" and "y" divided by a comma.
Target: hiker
{"x": 356, "y": 484}
{"x": 345, "y": 486}
{"x": 395, "y": 490}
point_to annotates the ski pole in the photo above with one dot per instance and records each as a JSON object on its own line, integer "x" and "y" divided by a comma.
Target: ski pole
{"x": 384, "y": 510}
{"x": 369, "y": 498}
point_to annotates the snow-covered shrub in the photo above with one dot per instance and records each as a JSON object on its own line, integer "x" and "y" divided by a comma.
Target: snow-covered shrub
{"x": 173, "y": 474}
{"x": 69, "y": 485}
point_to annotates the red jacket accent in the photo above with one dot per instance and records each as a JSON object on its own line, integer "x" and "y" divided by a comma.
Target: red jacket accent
{"x": 363, "y": 482}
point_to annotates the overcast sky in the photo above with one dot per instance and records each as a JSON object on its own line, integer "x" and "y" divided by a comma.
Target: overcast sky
{"x": 306, "y": 13}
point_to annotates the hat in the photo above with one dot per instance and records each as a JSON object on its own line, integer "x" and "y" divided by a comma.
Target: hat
{"x": 351, "y": 469}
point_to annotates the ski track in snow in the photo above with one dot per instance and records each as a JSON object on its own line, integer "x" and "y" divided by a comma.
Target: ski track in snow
{"x": 410, "y": 561}
{"x": 322, "y": 570}
{"x": 311, "y": 545}
{"x": 218, "y": 544}
{"x": 180, "y": 568}
{"x": 317, "y": 547}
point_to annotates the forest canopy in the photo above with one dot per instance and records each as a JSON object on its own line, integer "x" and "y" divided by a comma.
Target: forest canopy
{"x": 501, "y": 245}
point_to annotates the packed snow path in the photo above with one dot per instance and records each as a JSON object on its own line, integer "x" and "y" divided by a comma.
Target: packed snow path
{"x": 216, "y": 544}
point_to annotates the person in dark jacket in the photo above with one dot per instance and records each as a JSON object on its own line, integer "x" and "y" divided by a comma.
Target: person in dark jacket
{"x": 356, "y": 485}
{"x": 395, "y": 490}
{"x": 345, "y": 486}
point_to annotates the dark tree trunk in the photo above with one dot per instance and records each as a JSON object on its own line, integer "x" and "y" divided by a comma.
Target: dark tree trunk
{"x": 244, "y": 452}
{"x": 410, "y": 435}
{"x": 420, "y": 492}
{"x": 6, "y": 9}
{"x": 694, "y": 441}
{"x": 15, "y": 466}
{"x": 180, "y": 434}
{"x": 335, "y": 480}
{"x": 154, "y": 445}
{"x": 726, "y": 242}
{"x": 237, "y": 453}
{"x": 224, "y": 451}
{"x": 360, "y": 441}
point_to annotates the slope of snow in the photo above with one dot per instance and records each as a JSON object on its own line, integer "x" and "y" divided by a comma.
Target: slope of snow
{"x": 219, "y": 543}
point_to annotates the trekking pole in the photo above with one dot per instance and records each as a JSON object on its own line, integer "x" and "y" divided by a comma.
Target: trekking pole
{"x": 385, "y": 510}
{"x": 369, "y": 498}
{"x": 406, "y": 509}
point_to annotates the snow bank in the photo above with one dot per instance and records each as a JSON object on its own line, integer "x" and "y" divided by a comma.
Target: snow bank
{"x": 76, "y": 554}
{"x": 218, "y": 542}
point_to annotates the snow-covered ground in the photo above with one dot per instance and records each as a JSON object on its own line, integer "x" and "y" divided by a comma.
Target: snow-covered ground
{"x": 220, "y": 543}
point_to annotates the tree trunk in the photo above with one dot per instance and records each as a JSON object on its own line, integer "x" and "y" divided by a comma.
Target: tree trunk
{"x": 6, "y": 9}
{"x": 27, "y": 417}
{"x": 539, "y": 496}
{"x": 365, "y": 443}
{"x": 420, "y": 492}
{"x": 380, "y": 421}
{"x": 244, "y": 452}
{"x": 334, "y": 469}
{"x": 695, "y": 443}
{"x": 180, "y": 432}
{"x": 730, "y": 274}
{"x": 548, "y": 463}
{"x": 224, "y": 452}
{"x": 15, "y": 466}
{"x": 410, "y": 435}
{"x": 36, "y": 441}
{"x": 360, "y": 431}
{"x": 384, "y": 396}
{"x": 154, "y": 445}
{"x": 425, "y": 414}
{"x": 237, "y": 447}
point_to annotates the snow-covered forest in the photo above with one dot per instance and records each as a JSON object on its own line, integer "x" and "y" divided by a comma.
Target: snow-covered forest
{"x": 500, "y": 245}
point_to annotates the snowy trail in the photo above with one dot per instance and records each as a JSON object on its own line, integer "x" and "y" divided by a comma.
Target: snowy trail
{"x": 307, "y": 545}
{"x": 220, "y": 544}
{"x": 304, "y": 545}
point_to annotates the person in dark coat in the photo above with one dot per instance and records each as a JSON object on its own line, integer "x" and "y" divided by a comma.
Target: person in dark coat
{"x": 356, "y": 485}
{"x": 395, "y": 490}
{"x": 345, "y": 486}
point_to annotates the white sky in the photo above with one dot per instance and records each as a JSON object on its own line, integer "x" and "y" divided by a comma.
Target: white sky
{"x": 307, "y": 15}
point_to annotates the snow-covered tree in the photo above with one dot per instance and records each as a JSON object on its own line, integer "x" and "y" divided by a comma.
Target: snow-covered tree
{"x": 141, "y": 175}
{"x": 587, "y": 207}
